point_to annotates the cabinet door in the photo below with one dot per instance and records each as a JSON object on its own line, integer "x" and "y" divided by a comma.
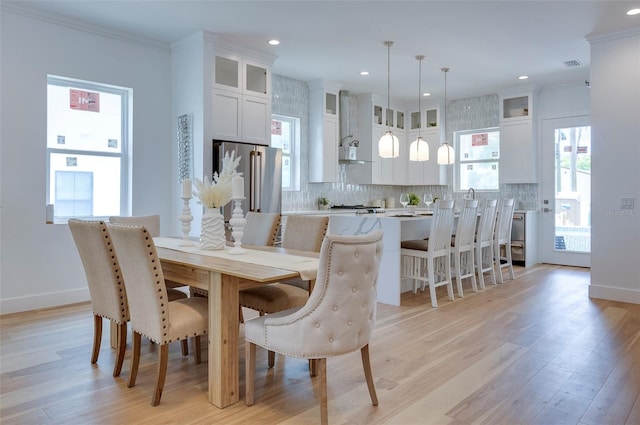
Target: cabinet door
{"x": 256, "y": 120}
{"x": 399, "y": 164}
{"x": 257, "y": 81}
{"x": 227, "y": 115}
{"x": 227, "y": 74}
{"x": 517, "y": 153}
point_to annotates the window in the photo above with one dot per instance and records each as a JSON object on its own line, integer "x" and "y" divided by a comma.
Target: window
{"x": 87, "y": 145}
{"x": 478, "y": 162}
{"x": 285, "y": 134}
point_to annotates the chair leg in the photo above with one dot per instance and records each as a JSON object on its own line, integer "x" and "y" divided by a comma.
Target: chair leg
{"x": 457, "y": 260}
{"x": 366, "y": 364}
{"x": 496, "y": 256}
{"x": 97, "y": 337}
{"x": 163, "y": 359}
{"x": 322, "y": 372}
{"x": 197, "y": 348}
{"x": 447, "y": 273}
{"x": 313, "y": 367}
{"x": 184, "y": 344}
{"x": 121, "y": 348}
{"x": 135, "y": 358}
{"x": 249, "y": 371}
{"x": 479, "y": 268}
{"x": 510, "y": 260}
{"x": 432, "y": 283}
{"x": 474, "y": 283}
{"x": 271, "y": 361}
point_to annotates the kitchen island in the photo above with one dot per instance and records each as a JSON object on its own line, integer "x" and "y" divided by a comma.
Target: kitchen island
{"x": 395, "y": 229}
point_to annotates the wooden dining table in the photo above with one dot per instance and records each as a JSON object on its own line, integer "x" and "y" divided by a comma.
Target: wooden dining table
{"x": 223, "y": 276}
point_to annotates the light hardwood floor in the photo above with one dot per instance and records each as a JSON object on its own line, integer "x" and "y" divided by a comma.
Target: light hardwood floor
{"x": 535, "y": 350}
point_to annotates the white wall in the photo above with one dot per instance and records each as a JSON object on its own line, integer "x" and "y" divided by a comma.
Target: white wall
{"x": 39, "y": 264}
{"x": 615, "y": 132}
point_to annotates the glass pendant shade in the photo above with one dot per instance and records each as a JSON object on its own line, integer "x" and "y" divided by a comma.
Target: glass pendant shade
{"x": 388, "y": 145}
{"x": 419, "y": 150}
{"x": 446, "y": 154}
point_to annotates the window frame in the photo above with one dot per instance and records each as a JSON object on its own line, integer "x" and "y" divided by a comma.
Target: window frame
{"x": 125, "y": 155}
{"x": 461, "y": 162}
{"x": 294, "y": 150}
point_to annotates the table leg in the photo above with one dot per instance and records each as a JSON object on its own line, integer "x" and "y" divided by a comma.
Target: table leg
{"x": 224, "y": 381}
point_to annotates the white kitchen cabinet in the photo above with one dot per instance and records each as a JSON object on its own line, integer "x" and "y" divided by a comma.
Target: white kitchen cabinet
{"x": 424, "y": 172}
{"x": 324, "y": 128}
{"x": 241, "y": 99}
{"x": 375, "y": 170}
{"x": 518, "y": 141}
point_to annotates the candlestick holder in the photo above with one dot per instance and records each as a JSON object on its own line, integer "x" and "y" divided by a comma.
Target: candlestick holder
{"x": 237, "y": 226}
{"x": 186, "y": 218}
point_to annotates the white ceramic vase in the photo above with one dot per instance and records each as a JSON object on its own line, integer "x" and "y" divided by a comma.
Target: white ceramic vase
{"x": 212, "y": 232}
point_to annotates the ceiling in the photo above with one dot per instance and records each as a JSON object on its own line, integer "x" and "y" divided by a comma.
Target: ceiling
{"x": 486, "y": 44}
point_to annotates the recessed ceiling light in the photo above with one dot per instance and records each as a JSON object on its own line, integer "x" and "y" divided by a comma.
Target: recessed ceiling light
{"x": 523, "y": 77}
{"x": 633, "y": 12}
{"x": 274, "y": 42}
{"x": 363, "y": 73}
{"x": 426, "y": 94}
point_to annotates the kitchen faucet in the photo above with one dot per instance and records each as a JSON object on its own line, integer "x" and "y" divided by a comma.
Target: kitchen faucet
{"x": 472, "y": 192}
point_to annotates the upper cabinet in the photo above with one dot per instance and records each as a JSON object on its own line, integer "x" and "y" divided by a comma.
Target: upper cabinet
{"x": 241, "y": 97}
{"x": 518, "y": 141}
{"x": 324, "y": 131}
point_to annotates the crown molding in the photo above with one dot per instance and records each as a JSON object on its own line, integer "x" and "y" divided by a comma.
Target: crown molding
{"x": 63, "y": 21}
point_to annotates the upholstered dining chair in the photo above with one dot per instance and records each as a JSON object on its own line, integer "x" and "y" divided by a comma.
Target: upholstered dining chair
{"x": 261, "y": 229}
{"x": 151, "y": 312}
{"x": 462, "y": 244}
{"x": 152, "y": 224}
{"x": 502, "y": 237}
{"x": 419, "y": 256}
{"x": 484, "y": 241}
{"x": 106, "y": 286}
{"x": 338, "y": 318}
{"x": 304, "y": 233}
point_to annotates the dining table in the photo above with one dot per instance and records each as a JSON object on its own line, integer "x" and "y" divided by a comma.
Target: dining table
{"x": 223, "y": 274}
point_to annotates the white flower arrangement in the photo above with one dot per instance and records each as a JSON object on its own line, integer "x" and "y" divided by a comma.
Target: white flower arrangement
{"x": 217, "y": 193}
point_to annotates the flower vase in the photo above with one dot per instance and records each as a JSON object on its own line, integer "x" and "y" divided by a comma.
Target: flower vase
{"x": 212, "y": 233}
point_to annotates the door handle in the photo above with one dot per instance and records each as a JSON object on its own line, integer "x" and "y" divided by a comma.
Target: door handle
{"x": 547, "y": 210}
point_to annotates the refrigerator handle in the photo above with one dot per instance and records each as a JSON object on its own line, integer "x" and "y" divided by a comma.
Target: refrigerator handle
{"x": 255, "y": 180}
{"x": 258, "y": 181}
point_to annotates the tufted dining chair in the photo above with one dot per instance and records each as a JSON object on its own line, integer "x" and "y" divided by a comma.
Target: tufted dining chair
{"x": 462, "y": 244}
{"x": 338, "y": 318}
{"x": 151, "y": 313}
{"x": 502, "y": 237}
{"x": 419, "y": 257}
{"x": 484, "y": 241}
{"x": 304, "y": 233}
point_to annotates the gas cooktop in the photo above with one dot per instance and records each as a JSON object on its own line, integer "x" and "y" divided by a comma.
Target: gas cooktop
{"x": 348, "y": 207}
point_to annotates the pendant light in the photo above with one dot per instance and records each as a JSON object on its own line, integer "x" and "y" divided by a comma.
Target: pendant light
{"x": 446, "y": 154}
{"x": 419, "y": 149}
{"x": 388, "y": 145}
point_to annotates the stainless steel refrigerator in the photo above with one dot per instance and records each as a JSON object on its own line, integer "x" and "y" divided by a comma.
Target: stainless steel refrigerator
{"x": 261, "y": 167}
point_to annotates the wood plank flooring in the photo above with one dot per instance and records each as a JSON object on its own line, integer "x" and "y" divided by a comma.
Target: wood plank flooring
{"x": 535, "y": 350}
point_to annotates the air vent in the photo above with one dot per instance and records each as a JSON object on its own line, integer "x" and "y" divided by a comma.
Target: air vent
{"x": 572, "y": 63}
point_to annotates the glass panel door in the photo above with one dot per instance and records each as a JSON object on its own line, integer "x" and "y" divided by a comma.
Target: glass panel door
{"x": 566, "y": 205}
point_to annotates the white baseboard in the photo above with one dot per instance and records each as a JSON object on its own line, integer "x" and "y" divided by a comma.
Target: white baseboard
{"x": 39, "y": 301}
{"x": 624, "y": 295}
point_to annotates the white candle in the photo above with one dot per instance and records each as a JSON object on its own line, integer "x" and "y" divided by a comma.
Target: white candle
{"x": 186, "y": 188}
{"x": 237, "y": 187}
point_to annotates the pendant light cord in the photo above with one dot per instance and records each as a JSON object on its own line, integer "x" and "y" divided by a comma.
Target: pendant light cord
{"x": 386, "y": 116}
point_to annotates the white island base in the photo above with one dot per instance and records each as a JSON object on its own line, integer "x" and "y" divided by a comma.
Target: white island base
{"x": 395, "y": 229}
